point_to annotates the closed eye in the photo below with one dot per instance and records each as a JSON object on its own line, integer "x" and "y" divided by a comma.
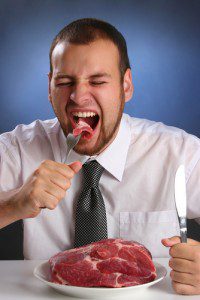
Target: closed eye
{"x": 98, "y": 82}
{"x": 65, "y": 84}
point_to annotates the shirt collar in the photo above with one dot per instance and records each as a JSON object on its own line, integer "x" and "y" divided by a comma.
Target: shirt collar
{"x": 113, "y": 158}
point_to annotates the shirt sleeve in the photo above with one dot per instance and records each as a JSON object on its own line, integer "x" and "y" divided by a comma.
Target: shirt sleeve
{"x": 193, "y": 184}
{"x": 10, "y": 177}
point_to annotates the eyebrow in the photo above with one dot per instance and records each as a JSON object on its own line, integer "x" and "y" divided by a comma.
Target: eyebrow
{"x": 59, "y": 76}
{"x": 97, "y": 75}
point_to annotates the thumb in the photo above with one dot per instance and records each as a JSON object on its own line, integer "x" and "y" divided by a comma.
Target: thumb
{"x": 168, "y": 242}
{"x": 76, "y": 166}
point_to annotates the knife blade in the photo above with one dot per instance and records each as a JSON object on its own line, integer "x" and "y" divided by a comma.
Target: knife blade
{"x": 181, "y": 202}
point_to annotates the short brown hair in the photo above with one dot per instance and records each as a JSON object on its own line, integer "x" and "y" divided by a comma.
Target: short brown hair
{"x": 85, "y": 31}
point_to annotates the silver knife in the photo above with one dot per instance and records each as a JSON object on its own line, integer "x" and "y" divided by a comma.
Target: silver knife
{"x": 180, "y": 200}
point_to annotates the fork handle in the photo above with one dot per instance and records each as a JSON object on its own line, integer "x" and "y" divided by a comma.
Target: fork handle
{"x": 67, "y": 154}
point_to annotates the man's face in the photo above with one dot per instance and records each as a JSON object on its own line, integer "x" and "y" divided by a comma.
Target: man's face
{"x": 86, "y": 78}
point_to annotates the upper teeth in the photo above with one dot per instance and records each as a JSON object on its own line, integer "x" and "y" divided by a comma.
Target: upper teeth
{"x": 84, "y": 114}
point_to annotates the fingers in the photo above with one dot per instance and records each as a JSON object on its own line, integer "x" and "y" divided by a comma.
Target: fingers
{"x": 169, "y": 242}
{"x": 59, "y": 180}
{"x": 183, "y": 250}
{"x": 184, "y": 283}
{"x": 183, "y": 278}
{"x": 46, "y": 197}
{"x": 182, "y": 265}
{"x": 58, "y": 174}
{"x": 185, "y": 264}
{"x": 53, "y": 180}
{"x": 184, "y": 289}
{"x": 50, "y": 189}
{"x": 76, "y": 166}
{"x": 61, "y": 168}
{"x": 55, "y": 191}
{"x": 50, "y": 201}
{"x": 46, "y": 187}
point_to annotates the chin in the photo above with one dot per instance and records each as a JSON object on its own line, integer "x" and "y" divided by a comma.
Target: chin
{"x": 89, "y": 150}
{"x": 84, "y": 151}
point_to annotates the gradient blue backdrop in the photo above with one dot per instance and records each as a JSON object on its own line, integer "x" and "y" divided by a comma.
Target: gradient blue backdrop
{"x": 163, "y": 44}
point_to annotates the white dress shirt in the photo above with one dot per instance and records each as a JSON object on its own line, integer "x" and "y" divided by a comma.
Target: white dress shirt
{"x": 137, "y": 184}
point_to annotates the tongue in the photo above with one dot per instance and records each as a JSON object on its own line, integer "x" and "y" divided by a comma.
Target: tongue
{"x": 82, "y": 126}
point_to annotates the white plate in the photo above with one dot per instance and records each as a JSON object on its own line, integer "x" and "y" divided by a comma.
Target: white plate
{"x": 42, "y": 272}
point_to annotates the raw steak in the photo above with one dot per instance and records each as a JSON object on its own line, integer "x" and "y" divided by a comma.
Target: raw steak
{"x": 82, "y": 126}
{"x": 107, "y": 263}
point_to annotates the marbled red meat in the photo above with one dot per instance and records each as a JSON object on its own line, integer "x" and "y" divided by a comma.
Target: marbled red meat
{"x": 82, "y": 126}
{"x": 107, "y": 263}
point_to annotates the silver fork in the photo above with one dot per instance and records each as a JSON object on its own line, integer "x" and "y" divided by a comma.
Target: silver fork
{"x": 71, "y": 142}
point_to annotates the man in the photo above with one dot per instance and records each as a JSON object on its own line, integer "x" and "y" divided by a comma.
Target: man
{"x": 89, "y": 82}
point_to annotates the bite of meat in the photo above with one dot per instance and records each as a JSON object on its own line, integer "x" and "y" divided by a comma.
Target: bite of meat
{"x": 86, "y": 125}
{"x": 107, "y": 263}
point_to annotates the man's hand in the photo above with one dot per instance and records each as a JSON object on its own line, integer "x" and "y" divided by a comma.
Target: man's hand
{"x": 185, "y": 265}
{"x": 44, "y": 188}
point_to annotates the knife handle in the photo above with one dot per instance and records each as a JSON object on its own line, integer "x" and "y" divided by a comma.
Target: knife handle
{"x": 183, "y": 229}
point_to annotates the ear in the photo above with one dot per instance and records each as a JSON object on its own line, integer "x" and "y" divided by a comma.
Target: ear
{"x": 49, "y": 86}
{"x": 128, "y": 85}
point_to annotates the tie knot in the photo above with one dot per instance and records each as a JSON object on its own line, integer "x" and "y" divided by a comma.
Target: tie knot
{"x": 92, "y": 173}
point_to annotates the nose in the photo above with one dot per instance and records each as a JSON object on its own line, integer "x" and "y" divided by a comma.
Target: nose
{"x": 80, "y": 93}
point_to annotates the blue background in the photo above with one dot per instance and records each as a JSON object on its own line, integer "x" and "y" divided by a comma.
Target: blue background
{"x": 163, "y": 40}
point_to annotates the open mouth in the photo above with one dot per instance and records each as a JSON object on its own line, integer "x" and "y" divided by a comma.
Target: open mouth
{"x": 84, "y": 124}
{"x": 91, "y": 121}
